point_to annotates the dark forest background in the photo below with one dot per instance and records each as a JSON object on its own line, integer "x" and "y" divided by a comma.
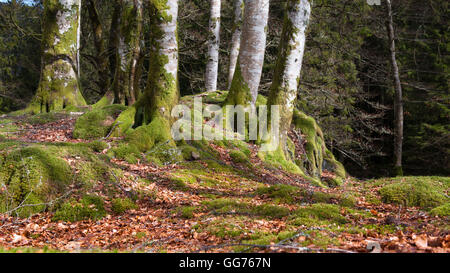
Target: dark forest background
{"x": 345, "y": 81}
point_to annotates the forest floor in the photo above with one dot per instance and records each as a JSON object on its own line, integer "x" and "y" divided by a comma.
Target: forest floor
{"x": 218, "y": 205}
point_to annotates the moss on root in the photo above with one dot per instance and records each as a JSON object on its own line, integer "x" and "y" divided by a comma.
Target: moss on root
{"x": 318, "y": 157}
{"x": 98, "y": 122}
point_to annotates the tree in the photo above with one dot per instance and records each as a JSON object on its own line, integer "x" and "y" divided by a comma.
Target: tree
{"x": 59, "y": 81}
{"x": 212, "y": 65}
{"x": 128, "y": 51}
{"x": 101, "y": 59}
{"x": 283, "y": 91}
{"x": 238, "y": 9}
{"x": 161, "y": 95}
{"x": 244, "y": 87}
{"x": 398, "y": 100}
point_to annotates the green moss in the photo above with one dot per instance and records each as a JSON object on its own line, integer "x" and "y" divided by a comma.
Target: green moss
{"x": 326, "y": 212}
{"x": 322, "y": 197}
{"x": 89, "y": 207}
{"x": 271, "y": 211}
{"x": 145, "y": 137}
{"x": 45, "y": 118}
{"x": 225, "y": 205}
{"x": 441, "y": 211}
{"x": 127, "y": 152}
{"x": 32, "y": 175}
{"x": 187, "y": 212}
{"x": 424, "y": 192}
{"x": 98, "y": 146}
{"x": 280, "y": 192}
{"x": 124, "y": 122}
{"x": 317, "y": 157}
{"x": 187, "y": 152}
{"x": 239, "y": 157}
{"x": 347, "y": 201}
{"x": 97, "y": 123}
{"x": 277, "y": 159}
{"x": 121, "y": 205}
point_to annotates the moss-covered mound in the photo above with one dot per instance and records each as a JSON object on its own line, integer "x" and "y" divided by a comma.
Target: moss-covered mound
{"x": 98, "y": 122}
{"x": 309, "y": 161}
{"x": 89, "y": 207}
{"x": 31, "y": 175}
{"x": 424, "y": 192}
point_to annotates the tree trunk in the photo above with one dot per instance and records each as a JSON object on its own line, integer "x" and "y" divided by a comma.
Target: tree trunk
{"x": 59, "y": 83}
{"x": 235, "y": 39}
{"x": 283, "y": 91}
{"x": 128, "y": 50}
{"x": 244, "y": 87}
{"x": 212, "y": 65}
{"x": 101, "y": 59}
{"x": 398, "y": 101}
{"x": 161, "y": 94}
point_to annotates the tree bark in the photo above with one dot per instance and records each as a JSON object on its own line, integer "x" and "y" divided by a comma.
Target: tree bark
{"x": 101, "y": 60}
{"x": 212, "y": 65}
{"x": 283, "y": 91}
{"x": 161, "y": 93}
{"x": 398, "y": 100}
{"x": 235, "y": 39}
{"x": 59, "y": 82}
{"x": 244, "y": 87}
{"x": 128, "y": 50}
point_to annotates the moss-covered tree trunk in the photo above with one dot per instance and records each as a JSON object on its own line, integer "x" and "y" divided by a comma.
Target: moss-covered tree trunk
{"x": 161, "y": 95}
{"x": 101, "y": 58}
{"x": 283, "y": 91}
{"x": 246, "y": 78}
{"x": 59, "y": 82}
{"x": 128, "y": 50}
{"x": 212, "y": 65}
{"x": 238, "y": 8}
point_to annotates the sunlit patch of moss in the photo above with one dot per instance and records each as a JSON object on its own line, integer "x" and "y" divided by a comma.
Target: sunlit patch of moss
{"x": 97, "y": 123}
{"x": 424, "y": 192}
{"x": 441, "y": 211}
{"x": 121, "y": 205}
{"x": 280, "y": 192}
{"x": 224, "y": 206}
{"x": 89, "y": 207}
{"x": 186, "y": 212}
{"x": 239, "y": 157}
{"x": 127, "y": 152}
{"x": 326, "y": 212}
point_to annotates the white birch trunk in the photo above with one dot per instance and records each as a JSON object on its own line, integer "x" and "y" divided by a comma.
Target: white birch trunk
{"x": 235, "y": 39}
{"x": 253, "y": 43}
{"x": 283, "y": 91}
{"x": 212, "y": 65}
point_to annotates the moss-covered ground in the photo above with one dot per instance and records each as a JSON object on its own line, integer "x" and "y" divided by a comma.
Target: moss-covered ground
{"x": 62, "y": 193}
